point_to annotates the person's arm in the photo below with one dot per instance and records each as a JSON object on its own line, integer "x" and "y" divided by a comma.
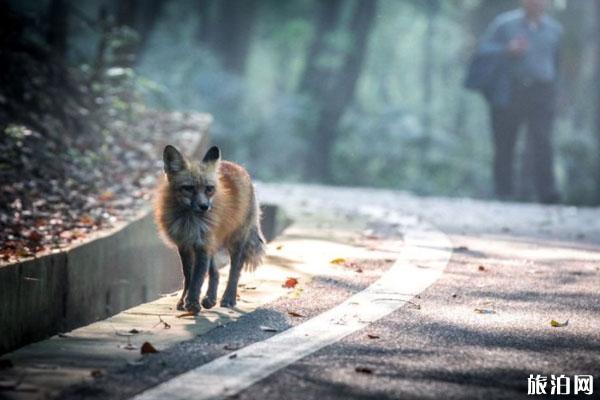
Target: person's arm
{"x": 492, "y": 42}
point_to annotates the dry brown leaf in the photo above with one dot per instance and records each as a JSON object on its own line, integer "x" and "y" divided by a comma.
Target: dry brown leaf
{"x": 87, "y": 219}
{"x": 372, "y": 336}
{"x": 162, "y": 321}
{"x": 295, "y": 314}
{"x": 96, "y": 373}
{"x": 290, "y": 283}
{"x": 35, "y": 236}
{"x": 338, "y": 261}
{"x": 363, "y": 370}
{"x": 147, "y": 348}
{"x": 106, "y": 195}
{"x": 481, "y": 268}
{"x": 187, "y": 314}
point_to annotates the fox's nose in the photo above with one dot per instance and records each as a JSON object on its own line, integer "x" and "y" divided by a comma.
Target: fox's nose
{"x": 204, "y": 207}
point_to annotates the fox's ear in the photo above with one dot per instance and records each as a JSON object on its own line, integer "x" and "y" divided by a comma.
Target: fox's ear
{"x": 212, "y": 155}
{"x": 173, "y": 160}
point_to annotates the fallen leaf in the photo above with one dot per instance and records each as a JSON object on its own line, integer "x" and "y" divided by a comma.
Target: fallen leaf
{"x": 481, "y": 268}
{"x": 363, "y": 370}
{"x": 134, "y": 331}
{"x": 147, "y": 348}
{"x": 265, "y": 328}
{"x": 295, "y": 314}
{"x": 86, "y": 219}
{"x": 35, "y": 236}
{"x": 233, "y": 356}
{"x": 484, "y": 311}
{"x": 162, "y": 321}
{"x": 372, "y": 336}
{"x": 96, "y": 373}
{"x": 554, "y": 323}
{"x": 106, "y": 196}
{"x": 290, "y": 283}
{"x": 359, "y": 270}
{"x": 279, "y": 247}
{"x": 187, "y": 314}
{"x": 338, "y": 261}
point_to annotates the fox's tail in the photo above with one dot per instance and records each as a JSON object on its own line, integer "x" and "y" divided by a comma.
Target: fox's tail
{"x": 254, "y": 249}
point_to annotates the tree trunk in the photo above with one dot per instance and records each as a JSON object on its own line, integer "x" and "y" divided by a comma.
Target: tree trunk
{"x": 331, "y": 91}
{"x": 226, "y": 27}
{"x": 432, "y": 8}
{"x": 58, "y": 27}
{"x": 139, "y": 16}
{"x": 597, "y": 79}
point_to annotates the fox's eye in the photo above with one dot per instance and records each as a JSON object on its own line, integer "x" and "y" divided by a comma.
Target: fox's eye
{"x": 187, "y": 188}
{"x": 209, "y": 190}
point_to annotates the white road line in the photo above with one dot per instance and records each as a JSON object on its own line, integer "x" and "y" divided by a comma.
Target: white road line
{"x": 422, "y": 261}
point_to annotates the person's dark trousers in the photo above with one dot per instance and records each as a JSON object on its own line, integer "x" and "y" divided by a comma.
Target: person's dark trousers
{"x": 533, "y": 106}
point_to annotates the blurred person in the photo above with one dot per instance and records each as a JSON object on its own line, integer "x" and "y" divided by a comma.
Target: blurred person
{"x": 516, "y": 69}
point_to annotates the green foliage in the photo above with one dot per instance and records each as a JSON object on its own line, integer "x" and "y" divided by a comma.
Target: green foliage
{"x": 393, "y": 135}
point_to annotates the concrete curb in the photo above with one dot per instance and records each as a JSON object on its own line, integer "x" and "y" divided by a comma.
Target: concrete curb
{"x": 93, "y": 281}
{"x": 60, "y": 292}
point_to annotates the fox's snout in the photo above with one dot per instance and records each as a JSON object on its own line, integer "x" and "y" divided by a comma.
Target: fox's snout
{"x": 201, "y": 207}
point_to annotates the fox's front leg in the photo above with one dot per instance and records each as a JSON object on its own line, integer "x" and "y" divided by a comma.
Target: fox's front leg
{"x": 198, "y": 272}
{"x": 187, "y": 261}
{"x": 210, "y": 299}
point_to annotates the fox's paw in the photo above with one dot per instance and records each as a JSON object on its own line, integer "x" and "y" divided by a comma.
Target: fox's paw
{"x": 227, "y": 302}
{"x": 208, "y": 302}
{"x": 180, "y": 305}
{"x": 193, "y": 307}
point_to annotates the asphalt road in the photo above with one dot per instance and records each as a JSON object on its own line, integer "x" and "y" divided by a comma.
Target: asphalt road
{"x": 478, "y": 332}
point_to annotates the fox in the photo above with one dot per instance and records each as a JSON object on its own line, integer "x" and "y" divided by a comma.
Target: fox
{"x": 201, "y": 208}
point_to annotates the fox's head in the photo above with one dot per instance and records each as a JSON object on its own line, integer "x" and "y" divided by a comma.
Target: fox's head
{"x": 192, "y": 184}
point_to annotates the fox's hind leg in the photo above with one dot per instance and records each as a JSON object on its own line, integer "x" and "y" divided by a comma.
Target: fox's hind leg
{"x": 187, "y": 259}
{"x": 237, "y": 261}
{"x": 210, "y": 299}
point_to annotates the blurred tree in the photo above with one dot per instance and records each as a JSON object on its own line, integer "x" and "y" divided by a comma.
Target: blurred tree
{"x": 58, "y": 27}
{"x": 334, "y": 62}
{"x": 139, "y": 16}
{"x": 597, "y": 79}
{"x": 226, "y": 28}
{"x": 432, "y": 8}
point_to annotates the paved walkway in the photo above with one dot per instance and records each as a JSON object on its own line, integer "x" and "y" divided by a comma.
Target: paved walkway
{"x": 479, "y": 332}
